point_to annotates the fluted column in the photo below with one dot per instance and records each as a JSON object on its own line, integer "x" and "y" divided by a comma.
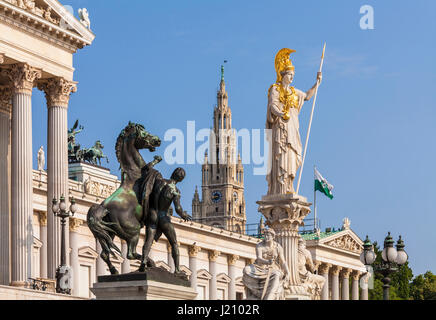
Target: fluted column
{"x": 74, "y": 254}
{"x": 364, "y": 291}
{"x": 193, "y": 252}
{"x": 57, "y": 92}
{"x": 335, "y": 282}
{"x": 213, "y": 255}
{"x": 355, "y": 285}
{"x": 43, "y": 238}
{"x": 5, "y": 182}
{"x": 22, "y": 77}
{"x": 100, "y": 264}
{"x": 125, "y": 266}
{"x": 324, "y": 271}
{"x": 231, "y": 260}
{"x": 345, "y": 284}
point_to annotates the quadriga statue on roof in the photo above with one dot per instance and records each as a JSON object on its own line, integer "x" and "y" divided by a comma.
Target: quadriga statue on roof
{"x": 143, "y": 199}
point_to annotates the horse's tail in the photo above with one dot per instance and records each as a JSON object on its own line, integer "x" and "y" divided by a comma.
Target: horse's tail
{"x": 100, "y": 228}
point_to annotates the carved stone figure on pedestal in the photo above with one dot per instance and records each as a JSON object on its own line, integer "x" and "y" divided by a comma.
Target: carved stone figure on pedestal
{"x": 284, "y": 105}
{"x": 266, "y": 277}
{"x": 84, "y": 17}
{"x": 41, "y": 159}
{"x": 306, "y": 269}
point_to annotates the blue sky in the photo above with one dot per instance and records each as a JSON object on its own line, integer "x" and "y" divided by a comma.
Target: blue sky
{"x": 157, "y": 63}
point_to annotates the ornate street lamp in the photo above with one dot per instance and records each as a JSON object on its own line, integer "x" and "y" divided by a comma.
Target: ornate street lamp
{"x": 63, "y": 272}
{"x": 391, "y": 259}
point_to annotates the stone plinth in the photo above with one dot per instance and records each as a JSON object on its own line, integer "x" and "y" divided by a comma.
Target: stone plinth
{"x": 285, "y": 213}
{"x": 155, "y": 284}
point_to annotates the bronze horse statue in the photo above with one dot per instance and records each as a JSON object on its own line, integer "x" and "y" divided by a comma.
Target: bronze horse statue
{"x": 122, "y": 213}
{"x": 94, "y": 153}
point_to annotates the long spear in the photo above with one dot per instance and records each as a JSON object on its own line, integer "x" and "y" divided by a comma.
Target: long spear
{"x": 310, "y": 121}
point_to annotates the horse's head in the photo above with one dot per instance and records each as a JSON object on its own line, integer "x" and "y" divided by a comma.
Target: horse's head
{"x": 142, "y": 138}
{"x": 145, "y": 140}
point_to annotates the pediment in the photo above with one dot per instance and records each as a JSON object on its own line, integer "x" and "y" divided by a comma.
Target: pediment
{"x": 238, "y": 281}
{"x": 186, "y": 270}
{"x": 49, "y": 16}
{"x": 346, "y": 240}
{"x": 37, "y": 243}
{"x": 88, "y": 252}
{"x": 204, "y": 274}
{"x": 222, "y": 277}
{"x": 163, "y": 265}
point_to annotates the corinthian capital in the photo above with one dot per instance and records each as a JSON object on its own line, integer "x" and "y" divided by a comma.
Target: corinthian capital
{"x": 213, "y": 255}
{"x": 5, "y": 100}
{"x": 75, "y": 224}
{"x": 57, "y": 91}
{"x": 22, "y": 77}
{"x": 231, "y": 259}
{"x": 193, "y": 250}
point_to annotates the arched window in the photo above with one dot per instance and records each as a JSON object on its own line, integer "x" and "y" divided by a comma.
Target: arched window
{"x": 225, "y": 122}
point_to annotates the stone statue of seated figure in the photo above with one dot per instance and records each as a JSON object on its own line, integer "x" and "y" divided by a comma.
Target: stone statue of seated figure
{"x": 266, "y": 277}
{"x": 313, "y": 282}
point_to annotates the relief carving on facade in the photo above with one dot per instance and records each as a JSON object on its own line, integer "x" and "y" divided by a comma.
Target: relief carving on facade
{"x": 346, "y": 242}
{"x": 32, "y": 7}
{"x": 98, "y": 189}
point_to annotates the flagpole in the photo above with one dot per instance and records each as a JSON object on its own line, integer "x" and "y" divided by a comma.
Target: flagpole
{"x": 314, "y": 196}
{"x": 310, "y": 121}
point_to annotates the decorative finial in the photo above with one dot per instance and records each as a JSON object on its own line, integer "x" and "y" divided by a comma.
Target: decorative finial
{"x": 222, "y": 71}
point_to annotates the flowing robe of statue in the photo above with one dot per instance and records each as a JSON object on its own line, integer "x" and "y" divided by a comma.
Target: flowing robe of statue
{"x": 285, "y": 154}
{"x": 266, "y": 281}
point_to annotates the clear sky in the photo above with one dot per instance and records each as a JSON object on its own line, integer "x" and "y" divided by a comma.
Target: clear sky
{"x": 157, "y": 63}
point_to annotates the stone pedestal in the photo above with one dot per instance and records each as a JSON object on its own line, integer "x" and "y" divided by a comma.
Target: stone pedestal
{"x": 155, "y": 284}
{"x": 284, "y": 213}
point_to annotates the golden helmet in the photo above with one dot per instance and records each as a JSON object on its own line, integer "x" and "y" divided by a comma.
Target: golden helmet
{"x": 283, "y": 62}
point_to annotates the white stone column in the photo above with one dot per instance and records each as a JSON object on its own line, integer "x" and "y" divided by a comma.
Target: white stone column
{"x": 125, "y": 266}
{"x": 231, "y": 260}
{"x": 345, "y": 284}
{"x": 213, "y": 255}
{"x": 101, "y": 265}
{"x": 364, "y": 291}
{"x": 43, "y": 238}
{"x": 193, "y": 252}
{"x": 5, "y": 182}
{"x": 57, "y": 93}
{"x": 74, "y": 254}
{"x": 335, "y": 282}
{"x": 22, "y": 77}
{"x": 355, "y": 285}
{"x": 324, "y": 271}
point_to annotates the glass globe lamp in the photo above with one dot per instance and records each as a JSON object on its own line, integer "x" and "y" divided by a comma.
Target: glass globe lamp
{"x": 367, "y": 257}
{"x": 55, "y": 206}
{"x": 402, "y": 255}
{"x": 389, "y": 253}
{"x": 73, "y": 206}
{"x": 62, "y": 204}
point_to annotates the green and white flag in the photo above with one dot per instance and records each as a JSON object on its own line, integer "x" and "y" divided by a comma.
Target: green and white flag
{"x": 323, "y": 185}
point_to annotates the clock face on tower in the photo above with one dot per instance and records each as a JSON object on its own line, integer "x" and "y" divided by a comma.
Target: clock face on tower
{"x": 216, "y": 196}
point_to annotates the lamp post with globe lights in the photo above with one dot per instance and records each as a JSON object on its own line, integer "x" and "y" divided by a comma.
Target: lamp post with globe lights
{"x": 391, "y": 259}
{"x": 63, "y": 272}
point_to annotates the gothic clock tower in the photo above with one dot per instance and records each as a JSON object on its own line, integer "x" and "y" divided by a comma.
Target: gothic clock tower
{"x": 223, "y": 203}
